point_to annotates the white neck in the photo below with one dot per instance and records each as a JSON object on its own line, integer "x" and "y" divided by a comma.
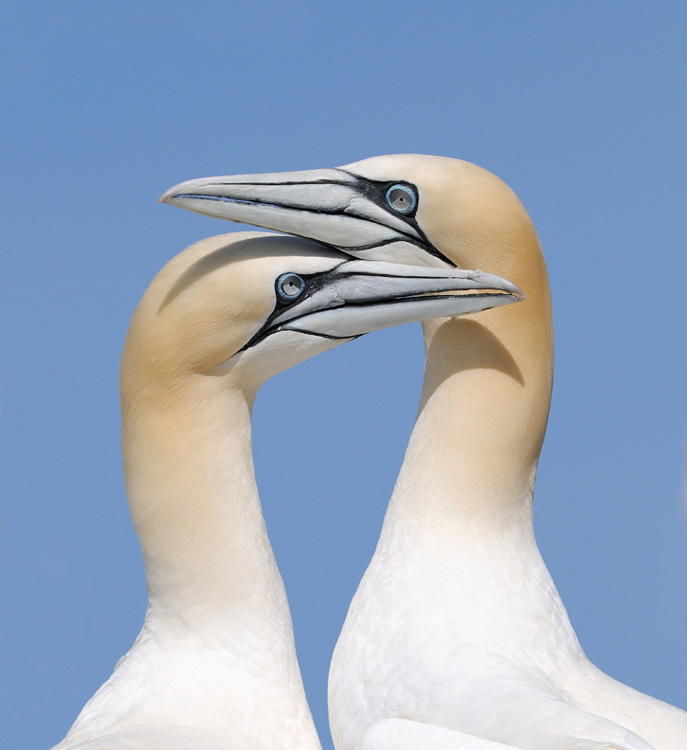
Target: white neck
{"x": 463, "y": 500}
{"x": 473, "y": 453}
{"x": 216, "y": 655}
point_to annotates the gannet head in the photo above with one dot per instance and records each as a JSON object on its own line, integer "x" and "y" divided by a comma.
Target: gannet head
{"x": 409, "y": 208}
{"x": 253, "y": 304}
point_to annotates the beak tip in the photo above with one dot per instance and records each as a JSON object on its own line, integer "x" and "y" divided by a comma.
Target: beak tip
{"x": 501, "y": 284}
{"x": 512, "y": 289}
{"x": 167, "y": 196}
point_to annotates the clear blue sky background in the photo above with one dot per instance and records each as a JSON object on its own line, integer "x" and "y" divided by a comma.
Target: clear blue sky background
{"x": 580, "y": 107}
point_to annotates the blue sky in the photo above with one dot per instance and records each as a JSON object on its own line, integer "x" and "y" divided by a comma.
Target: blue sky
{"x": 580, "y": 107}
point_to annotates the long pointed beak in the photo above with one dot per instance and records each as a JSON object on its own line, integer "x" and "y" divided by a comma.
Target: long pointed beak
{"x": 340, "y": 209}
{"x": 358, "y": 297}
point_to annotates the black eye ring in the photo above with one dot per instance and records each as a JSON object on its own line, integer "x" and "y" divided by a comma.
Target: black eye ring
{"x": 289, "y": 287}
{"x": 401, "y": 198}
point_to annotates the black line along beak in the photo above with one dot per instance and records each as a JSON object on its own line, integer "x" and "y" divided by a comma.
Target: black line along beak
{"x": 358, "y": 297}
{"x": 365, "y": 218}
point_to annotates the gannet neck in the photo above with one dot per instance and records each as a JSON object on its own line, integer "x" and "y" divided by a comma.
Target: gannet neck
{"x": 216, "y": 655}
{"x": 194, "y": 502}
{"x": 218, "y": 611}
{"x": 486, "y": 393}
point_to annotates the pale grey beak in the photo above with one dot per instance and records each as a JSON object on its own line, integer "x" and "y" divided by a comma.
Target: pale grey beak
{"x": 348, "y": 212}
{"x": 358, "y": 297}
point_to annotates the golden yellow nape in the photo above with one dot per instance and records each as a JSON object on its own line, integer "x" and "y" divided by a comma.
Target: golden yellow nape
{"x": 456, "y": 624}
{"x": 214, "y": 665}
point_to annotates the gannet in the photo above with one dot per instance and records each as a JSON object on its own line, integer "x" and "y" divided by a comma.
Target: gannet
{"x": 214, "y": 666}
{"x": 456, "y": 632}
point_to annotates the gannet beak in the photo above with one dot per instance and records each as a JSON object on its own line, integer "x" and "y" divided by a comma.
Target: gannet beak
{"x": 364, "y": 218}
{"x": 358, "y": 297}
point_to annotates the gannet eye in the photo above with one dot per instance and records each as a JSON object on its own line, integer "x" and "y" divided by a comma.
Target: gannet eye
{"x": 290, "y": 286}
{"x": 401, "y": 199}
